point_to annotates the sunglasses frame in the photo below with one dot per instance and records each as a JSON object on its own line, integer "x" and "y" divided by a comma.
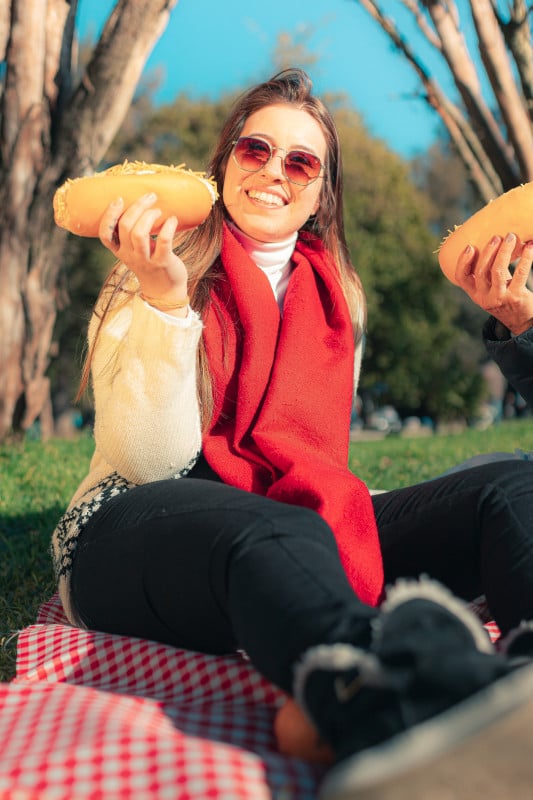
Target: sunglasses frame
{"x": 273, "y": 150}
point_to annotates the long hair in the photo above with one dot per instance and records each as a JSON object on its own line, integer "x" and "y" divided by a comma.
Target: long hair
{"x": 201, "y": 247}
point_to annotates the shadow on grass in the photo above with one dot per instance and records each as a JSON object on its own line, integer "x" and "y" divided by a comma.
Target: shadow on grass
{"x": 26, "y": 576}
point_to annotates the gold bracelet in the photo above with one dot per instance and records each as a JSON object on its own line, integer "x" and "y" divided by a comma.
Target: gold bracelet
{"x": 162, "y": 306}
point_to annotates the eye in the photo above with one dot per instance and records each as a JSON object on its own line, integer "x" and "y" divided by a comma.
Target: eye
{"x": 303, "y": 160}
{"x": 258, "y": 149}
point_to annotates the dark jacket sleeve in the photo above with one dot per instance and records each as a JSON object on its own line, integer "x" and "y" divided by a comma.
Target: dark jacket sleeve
{"x": 513, "y": 355}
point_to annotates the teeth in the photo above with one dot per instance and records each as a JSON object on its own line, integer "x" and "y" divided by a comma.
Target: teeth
{"x": 265, "y": 197}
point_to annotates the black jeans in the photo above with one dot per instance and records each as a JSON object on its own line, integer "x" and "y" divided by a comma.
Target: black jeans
{"x": 201, "y": 565}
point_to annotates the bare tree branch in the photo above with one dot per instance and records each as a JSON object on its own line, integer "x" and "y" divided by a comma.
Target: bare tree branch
{"x": 474, "y": 157}
{"x": 517, "y": 34}
{"x": 428, "y": 32}
{"x": 498, "y": 68}
{"x": 60, "y": 21}
{"x": 495, "y": 144}
{"x": 460, "y": 130}
{"x": 463, "y": 71}
{"x": 24, "y": 69}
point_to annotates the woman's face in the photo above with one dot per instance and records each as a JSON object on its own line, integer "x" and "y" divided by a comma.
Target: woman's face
{"x": 264, "y": 204}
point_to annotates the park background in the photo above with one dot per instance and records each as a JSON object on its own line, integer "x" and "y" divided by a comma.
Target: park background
{"x": 434, "y": 106}
{"x": 407, "y": 181}
{"x": 212, "y": 48}
{"x": 425, "y": 364}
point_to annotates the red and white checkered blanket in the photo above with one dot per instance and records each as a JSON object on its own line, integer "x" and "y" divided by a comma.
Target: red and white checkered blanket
{"x": 91, "y": 716}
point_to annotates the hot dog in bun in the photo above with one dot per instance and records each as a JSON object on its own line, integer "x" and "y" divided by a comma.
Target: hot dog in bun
{"x": 80, "y": 203}
{"x": 511, "y": 212}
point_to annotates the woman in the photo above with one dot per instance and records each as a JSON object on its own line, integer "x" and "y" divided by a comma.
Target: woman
{"x": 266, "y": 542}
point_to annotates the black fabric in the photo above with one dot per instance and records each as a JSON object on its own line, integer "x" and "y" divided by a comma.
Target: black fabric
{"x": 513, "y": 355}
{"x": 471, "y": 530}
{"x": 425, "y": 662}
{"x": 204, "y": 566}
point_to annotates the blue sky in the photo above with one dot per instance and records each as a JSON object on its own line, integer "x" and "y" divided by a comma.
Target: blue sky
{"x": 212, "y": 46}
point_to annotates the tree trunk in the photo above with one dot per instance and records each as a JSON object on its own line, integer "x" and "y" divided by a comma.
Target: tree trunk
{"x": 467, "y": 81}
{"x": 499, "y": 72}
{"x": 517, "y": 34}
{"x": 49, "y": 132}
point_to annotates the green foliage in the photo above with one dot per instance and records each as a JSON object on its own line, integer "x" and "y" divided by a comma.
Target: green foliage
{"x": 415, "y": 354}
{"x": 442, "y": 177}
{"x": 397, "y": 461}
{"x": 184, "y": 131}
{"x": 450, "y": 198}
{"x": 37, "y": 482}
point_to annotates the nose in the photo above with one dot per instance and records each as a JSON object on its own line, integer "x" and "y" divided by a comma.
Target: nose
{"x": 274, "y": 166}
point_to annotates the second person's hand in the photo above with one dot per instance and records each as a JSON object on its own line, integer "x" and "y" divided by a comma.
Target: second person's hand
{"x": 488, "y": 281}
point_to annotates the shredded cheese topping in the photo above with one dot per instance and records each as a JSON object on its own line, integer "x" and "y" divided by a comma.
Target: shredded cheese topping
{"x": 143, "y": 168}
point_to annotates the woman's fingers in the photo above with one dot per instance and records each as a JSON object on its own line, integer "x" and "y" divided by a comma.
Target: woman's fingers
{"x": 139, "y": 235}
{"x": 464, "y": 271}
{"x": 487, "y": 279}
{"x": 523, "y": 267}
{"x": 108, "y": 228}
{"x": 163, "y": 242}
{"x": 485, "y": 263}
{"x": 135, "y": 225}
{"x": 488, "y": 271}
{"x": 129, "y": 228}
{"x": 498, "y": 275}
{"x": 128, "y": 234}
{"x": 136, "y": 210}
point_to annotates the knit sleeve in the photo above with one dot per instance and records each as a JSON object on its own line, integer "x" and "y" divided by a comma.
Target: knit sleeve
{"x": 147, "y": 420}
{"x": 513, "y": 355}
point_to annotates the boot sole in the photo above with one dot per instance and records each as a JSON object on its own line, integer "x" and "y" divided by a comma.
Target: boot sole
{"x": 482, "y": 749}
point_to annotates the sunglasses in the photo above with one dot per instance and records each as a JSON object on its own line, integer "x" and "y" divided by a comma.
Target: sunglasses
{"x": 252, "y": 154}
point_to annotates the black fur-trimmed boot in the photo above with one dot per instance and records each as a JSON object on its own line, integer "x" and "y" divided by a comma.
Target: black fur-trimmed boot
{"x": 431, "y": 712}
{"x": 517, "y": 645}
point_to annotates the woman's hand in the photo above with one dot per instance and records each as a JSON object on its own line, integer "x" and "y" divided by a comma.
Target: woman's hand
{"x": 126, "y": 233}
{"x": 487, "y": 280}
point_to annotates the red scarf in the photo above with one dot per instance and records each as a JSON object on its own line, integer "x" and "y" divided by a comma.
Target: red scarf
{"x": 283, "y": 390}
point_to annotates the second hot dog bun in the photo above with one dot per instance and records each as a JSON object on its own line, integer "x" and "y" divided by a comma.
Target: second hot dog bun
{"x": 511, "y": 212}
{"x": 80, "y": 203}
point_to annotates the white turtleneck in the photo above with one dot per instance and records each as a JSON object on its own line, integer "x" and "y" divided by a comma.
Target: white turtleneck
{"x": 273, "y": 258}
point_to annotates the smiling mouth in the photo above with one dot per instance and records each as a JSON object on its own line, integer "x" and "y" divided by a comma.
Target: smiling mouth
{"x": 266, "y": 198}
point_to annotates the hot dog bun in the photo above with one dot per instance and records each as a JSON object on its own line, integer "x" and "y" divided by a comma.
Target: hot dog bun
{"x": 80, "y": 203}
{"x": 511, "y": 212}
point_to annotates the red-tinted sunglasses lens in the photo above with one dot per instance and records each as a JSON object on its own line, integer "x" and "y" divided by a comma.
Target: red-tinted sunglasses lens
{"x": 300, "y": 167}
{"x": 252, "y": 154}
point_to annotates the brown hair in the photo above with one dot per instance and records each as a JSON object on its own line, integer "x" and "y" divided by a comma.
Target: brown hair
{"x": 200, "y": 248}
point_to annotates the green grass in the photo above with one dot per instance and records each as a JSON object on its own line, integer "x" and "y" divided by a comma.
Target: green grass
{"x": 36, "y": 483}
{"x": 38, "y": 479}
{"x": 396, "y": 461}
